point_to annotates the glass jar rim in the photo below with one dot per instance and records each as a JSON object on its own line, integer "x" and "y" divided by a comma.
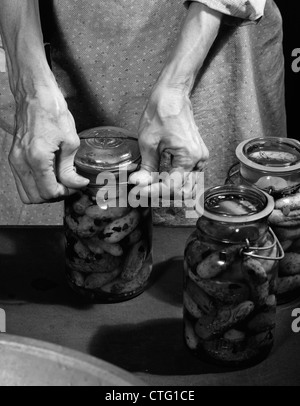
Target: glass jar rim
{"x": 268, "y": 201}
{"x": 241, "y": 153}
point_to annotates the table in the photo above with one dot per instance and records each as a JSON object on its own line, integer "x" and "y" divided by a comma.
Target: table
{"x": 144, "y": 335}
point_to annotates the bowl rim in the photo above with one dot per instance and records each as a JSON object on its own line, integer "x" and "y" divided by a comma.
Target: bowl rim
{"x": 66, "y": 356}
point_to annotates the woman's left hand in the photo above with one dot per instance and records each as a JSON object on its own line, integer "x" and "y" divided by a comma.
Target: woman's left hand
{"x": 168, "y": 125}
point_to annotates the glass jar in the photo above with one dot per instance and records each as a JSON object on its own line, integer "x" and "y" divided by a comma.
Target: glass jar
{"x": 108, "y": 242}
{"x": 273, "y": 165}
{"x": 231, "y": 266}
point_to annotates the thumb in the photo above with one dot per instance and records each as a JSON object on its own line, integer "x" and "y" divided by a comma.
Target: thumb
{"x": 66, "y": 173}
{"x": 149, "y": 167}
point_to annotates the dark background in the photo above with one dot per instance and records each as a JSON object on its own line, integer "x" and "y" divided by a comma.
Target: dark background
{"x": 291, "y": 14}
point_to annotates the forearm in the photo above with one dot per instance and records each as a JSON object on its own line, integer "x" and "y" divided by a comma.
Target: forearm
{"x": 22, "y": 37}
{"x": 195, "y": 41}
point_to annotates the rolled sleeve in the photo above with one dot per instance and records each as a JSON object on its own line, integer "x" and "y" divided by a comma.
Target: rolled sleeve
{"x": 249, "y": 10}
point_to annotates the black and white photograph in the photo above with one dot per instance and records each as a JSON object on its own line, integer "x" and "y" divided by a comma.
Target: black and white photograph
{"x": 149, "y": 196}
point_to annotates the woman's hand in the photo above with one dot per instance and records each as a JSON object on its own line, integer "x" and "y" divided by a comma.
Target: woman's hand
{"x": 168, "y": 125}
{"x": 44, "y": 147}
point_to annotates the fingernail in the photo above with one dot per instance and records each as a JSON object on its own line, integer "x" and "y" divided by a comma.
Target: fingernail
{"x": 81, "y": 180}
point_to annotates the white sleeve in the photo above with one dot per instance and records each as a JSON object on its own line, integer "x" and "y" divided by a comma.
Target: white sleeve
{"x": 245, "y": 9}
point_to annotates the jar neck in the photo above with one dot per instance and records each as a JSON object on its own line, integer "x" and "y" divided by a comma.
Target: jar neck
{"x": 233, "y": 233}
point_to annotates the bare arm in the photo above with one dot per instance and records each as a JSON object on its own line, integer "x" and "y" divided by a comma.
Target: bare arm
{"x": 197, "y": 36}
{"x": 46, "y": 141}
{"x": 23, "y": 41}
{"x": 168, "y": 123}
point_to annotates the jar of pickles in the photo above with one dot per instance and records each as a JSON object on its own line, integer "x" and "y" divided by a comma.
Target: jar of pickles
{"x": 231, "y": 266}
{"x": 273, "y": 165}
{"x": 108, "y": 242}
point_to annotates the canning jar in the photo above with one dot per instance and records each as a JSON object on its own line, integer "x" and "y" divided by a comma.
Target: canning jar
{"x": 231, "y": 266}
{"x": 273, "y": 165}
{"x": 108, "y": 242}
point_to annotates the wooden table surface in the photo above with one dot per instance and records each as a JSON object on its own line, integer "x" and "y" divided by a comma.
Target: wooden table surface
{"x": 144, "y": 335}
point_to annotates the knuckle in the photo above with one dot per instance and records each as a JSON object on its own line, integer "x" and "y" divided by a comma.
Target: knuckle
{"x": 27, "y": 202}
{"x": 49, "y": 195}
{"x": 36, "y": 152}
{"x": 72, "y": 143}
{"x": 14, "y": 156}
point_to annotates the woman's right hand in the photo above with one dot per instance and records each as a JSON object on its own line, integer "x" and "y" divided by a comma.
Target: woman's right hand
{"x": 44, "y": 148}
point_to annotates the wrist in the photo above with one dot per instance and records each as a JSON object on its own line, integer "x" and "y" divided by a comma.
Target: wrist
{"x": 174, "y": 78}
{"x": 27, "y": 80}
{"x": 46, "y": 97}
{"x": 167, "y": 101}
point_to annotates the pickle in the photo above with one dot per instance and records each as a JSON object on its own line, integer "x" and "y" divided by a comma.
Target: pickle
{"x": 225, "y": 292}
{"x": 77, "y": 278}
{"x": 288, "y": 284}
{"x": 105, "y": 264}
{"x": 290, "y": 202}
{"x": 225, "y": 351}
{"x": 121, "y": 228}
{"x": 112, "y": 213}
{"x": 217, "y": 262}
{"x": 94, "y": 246}
{"x": 134, "y": 237}
{"x": 278, "y": 218}
{"x": 287, "y": 244}
{"x": 81, "y": 205}
{"x": 194, "y": 253}
{"x": 235, "y": 336}
{"x": 262, "y": 322}
{"x": 192, "y": 307}
{"x": 290, "y": 265}
{"x": 268, "y": 264}
{"x": 135, "y": 261}
{"x": 257, "y": 279}
{"x": 84, "y": 226}
{"x": 121, "y": 287}
{"x": 97, "y": 280}
{"x": 262, "y": 340}
{"x": 98, "y": 247}
{"x": 208, "y": 327}
{"x": 82, "y": 251}
{"x": 287, "y": 233}
{"x": 191, "y": 338}
{"x": 203, "y": 301}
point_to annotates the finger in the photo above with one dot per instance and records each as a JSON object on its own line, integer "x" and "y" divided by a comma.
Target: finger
{"x": 179, "y": 180}
{"x": 189, "y": 185}
{"x": 169, "y": 186}
{"x": 200, "y": 166}
{"x": 149, "y": 168}
{"x": 204, "y": 155}
{"x": 26, "y": 185}
{"x": 143, "y": 177}
{"x": 23, "y": 195}
{"x": 66, "y": 173}
{"x": 42, "y": 168}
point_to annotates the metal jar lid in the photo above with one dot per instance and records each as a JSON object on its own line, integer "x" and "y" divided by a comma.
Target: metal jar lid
{"x": 273, "y": 156}
{"x": 106, "y": 149}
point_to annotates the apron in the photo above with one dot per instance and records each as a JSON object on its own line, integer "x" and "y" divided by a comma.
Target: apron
{"x": 108, "y": 54}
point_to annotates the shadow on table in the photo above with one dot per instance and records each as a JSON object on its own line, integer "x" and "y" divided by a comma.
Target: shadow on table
{"x": 155, "y": 347}
{"x": 167, "y": 282}
{"x": 32, "y": 267}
